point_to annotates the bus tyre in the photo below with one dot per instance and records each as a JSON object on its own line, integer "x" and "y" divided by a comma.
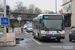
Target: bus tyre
{"x": 40, "y": 39}
{"x": 34, "y": 37}
{"x": 58, "y": 40}
{"x": 33, "y": 33}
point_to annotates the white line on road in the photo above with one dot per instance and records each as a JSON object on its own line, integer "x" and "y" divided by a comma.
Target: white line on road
{"x": 1, "y": 33}
{"x": 36, "y": 41}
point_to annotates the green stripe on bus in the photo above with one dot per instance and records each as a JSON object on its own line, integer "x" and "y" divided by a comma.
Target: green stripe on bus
{"x": 41, "y": 17}
{"x": 63, "y": 17}
{"x": 38, "y": 18}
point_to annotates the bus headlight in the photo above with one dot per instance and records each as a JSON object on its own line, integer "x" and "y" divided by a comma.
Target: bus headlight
{"x": 62, "y": 32}
{"x": 43, "y": 32}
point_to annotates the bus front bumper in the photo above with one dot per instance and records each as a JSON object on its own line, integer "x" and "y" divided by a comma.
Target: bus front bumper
{"x": 52, "y": 36}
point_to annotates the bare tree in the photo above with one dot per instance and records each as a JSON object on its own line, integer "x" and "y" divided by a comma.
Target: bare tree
{"x": 48, "y": 12}
{"x": 37, "y": 10}
{"x": 31, "y": 8}
{"x": 51, "y": 12}
{"x": 20, "y": 7}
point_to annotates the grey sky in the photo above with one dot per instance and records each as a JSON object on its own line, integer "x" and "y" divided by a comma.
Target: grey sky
{"x": 42, "y": 4}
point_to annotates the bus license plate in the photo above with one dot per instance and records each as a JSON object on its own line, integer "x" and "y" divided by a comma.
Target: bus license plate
{"x": 53, "y": 37}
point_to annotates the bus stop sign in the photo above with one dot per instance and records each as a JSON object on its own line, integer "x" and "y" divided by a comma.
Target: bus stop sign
{"x": 4, "y": 21}
{"x": 19, "y": 18}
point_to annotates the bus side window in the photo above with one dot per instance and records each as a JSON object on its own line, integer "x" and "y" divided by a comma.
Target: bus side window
{"x": 36, "y": 26}
{"x": 33, "y": 25}
{"x": 40, "y": 24}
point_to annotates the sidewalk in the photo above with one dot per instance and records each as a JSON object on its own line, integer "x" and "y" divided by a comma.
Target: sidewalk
{"x": 67, "y": 30}
{"x": 16, "y": 30}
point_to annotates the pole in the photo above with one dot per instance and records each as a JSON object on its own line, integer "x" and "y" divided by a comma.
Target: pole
{"x": 19, "y": 25}
{"x": 4, "y": 25}
{"x": 56, "y": 6}
{"x": 71, "y": 12}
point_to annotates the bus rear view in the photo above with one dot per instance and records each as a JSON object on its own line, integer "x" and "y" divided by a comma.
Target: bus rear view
{"x": 49, "y": 27}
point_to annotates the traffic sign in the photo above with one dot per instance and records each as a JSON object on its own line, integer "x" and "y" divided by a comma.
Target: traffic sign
{"x": 4, "y": 20}
{"x": 19, "y": 18}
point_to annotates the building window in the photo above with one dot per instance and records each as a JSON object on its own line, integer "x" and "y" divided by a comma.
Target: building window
{"x": 28, "y": 16}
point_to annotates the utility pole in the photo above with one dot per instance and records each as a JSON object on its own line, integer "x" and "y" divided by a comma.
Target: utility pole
{"x": 4, "y": 25}
{"x": 71, "y": 12}
{"x": 55, "y": 6}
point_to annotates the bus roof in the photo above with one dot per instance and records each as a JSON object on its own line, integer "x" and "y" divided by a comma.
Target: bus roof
{"x": 41, "y": 15}
{"x": 45, "y": 14}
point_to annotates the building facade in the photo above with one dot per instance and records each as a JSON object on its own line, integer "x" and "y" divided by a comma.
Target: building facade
{"x": 73, "y": 13}
{"x": 24, "y": 17}
{"x": 66, "y": 6}
{"x": 67, "y": 11}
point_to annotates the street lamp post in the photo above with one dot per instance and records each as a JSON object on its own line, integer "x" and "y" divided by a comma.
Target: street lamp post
{"x": 4, "y": 25}
{"x": 56, "y": 6}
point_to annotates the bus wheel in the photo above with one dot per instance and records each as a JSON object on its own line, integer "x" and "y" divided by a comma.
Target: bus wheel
{"x": 58, "y": 40}
{"x": 40, "y": 39}
{"x": 33, "y": 33}
{"x": 35, "y": 37}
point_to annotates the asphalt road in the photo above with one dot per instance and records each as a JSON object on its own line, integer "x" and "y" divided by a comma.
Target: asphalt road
{"x": 29, "y": 43}
{"x": 34, "y": 44}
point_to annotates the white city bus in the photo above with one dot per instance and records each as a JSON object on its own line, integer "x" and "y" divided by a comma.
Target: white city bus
{"x": 48, "y": 26}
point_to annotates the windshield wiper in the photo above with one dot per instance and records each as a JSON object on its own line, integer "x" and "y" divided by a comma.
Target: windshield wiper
{"x": 49, "y": 28}
{"x": 59, "y": 29}
{"x": 52, "y": 29}
{"x": 46, "y": 28}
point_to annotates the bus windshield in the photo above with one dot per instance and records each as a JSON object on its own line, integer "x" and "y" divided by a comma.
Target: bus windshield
{"x": 57, "y": 24}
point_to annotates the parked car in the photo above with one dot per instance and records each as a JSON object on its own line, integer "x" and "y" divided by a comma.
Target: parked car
{"x": 28, "y": 27}
{"x": 25, "y": 26}
{"x": 2, "y": 26}
{"x": 72, "y": 34}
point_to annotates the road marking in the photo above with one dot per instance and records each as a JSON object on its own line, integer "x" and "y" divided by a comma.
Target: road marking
{"x": 36, "y": 41}
{"x": 26, "y": 33}
{"x": 1, "y": 33}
